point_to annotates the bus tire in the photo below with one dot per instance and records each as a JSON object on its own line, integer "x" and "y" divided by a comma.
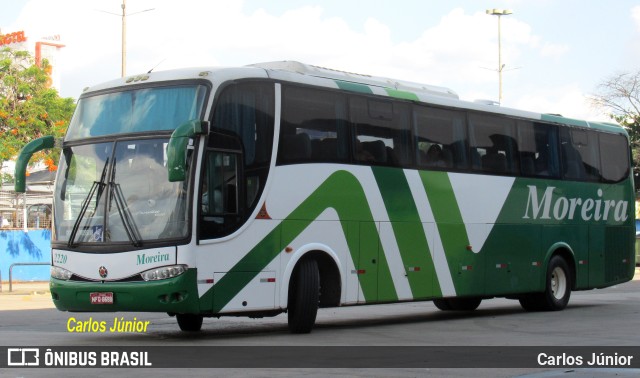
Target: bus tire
{"x": 557, "y": 292}
{"x": 530, "y": 302}
{"x": 464, "y": 304}
{"x": 304, "y": 295}
{"x": 457, "y": 304}
{"x": 189, "y": 322}
{"x": 442, "y": 304}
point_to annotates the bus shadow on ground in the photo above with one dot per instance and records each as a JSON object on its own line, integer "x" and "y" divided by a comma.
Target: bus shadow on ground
{"x": 231, "y": 329}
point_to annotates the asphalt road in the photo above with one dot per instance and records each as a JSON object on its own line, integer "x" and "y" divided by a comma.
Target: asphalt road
{"x": 608, "y": 317}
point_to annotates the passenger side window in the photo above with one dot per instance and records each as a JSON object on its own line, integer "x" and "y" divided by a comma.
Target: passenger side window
{"x": 221, "y": 191}
{"x": 580, "y": 155}
{"x": 314, "y": 127}
{"x": 493, "y": 145}
{"x": 220, "y": 186}
{"x": 538, "y": 149}
{"x": 382, "y": 132}
{"x": 614, "y": 155}
{"x": 441, "y": 138}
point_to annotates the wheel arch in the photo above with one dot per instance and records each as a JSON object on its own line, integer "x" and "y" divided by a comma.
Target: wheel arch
{"x": 566, "y": 252}
{"x": 329, "y": 267}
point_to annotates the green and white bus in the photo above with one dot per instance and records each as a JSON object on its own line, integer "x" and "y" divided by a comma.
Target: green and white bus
{"x": 284, "y": 187}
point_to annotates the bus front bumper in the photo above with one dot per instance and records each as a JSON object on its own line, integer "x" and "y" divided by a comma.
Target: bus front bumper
{"x": 172, "y": 295}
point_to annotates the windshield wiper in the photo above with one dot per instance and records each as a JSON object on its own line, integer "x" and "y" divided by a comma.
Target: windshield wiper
{"x": 125, "y": 215}
{"x": 123, "y": 210}
{"x": 97, "y": 186}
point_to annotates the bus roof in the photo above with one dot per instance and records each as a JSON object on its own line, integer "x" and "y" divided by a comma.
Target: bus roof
{"x": 329, "y": 73}
{"x": 309, "y": 74}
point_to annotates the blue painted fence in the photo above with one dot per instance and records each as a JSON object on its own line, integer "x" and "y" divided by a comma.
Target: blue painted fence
{"x": 17, "y": 246}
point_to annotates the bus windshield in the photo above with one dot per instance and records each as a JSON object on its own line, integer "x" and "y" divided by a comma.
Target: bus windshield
{"x": 138, "y": 110}
{"x": 118, "y": 192}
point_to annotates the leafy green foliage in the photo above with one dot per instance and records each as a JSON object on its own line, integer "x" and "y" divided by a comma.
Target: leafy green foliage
{"x": 29, "y": 108}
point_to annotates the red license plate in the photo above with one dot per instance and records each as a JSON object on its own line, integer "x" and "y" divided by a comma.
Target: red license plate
{"x": 101, "y": 298}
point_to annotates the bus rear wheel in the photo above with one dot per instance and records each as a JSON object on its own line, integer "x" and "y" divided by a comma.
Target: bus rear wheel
{"x": 557, "y": 291}
{"x": 189, "y": 322}
{"x": 304, "y": 294}
{"x": 457, "y": 304}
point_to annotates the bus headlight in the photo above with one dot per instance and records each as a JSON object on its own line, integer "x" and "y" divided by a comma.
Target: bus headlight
{"x": 61, "y": 274}
{"x": 163, "y": 272}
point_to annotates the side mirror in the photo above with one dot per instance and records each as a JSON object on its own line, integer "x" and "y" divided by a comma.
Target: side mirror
{"x": 177, "y": 148}
{"x": 24, "y": 157}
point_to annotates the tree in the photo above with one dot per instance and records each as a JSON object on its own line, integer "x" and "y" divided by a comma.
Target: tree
{"x": 29, "y": 109}
{"x": 619, "y": 96}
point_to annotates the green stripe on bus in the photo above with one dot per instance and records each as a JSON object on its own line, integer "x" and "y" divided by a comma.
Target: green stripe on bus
{"x": 353, "y": 87}
{"x": 409, "y": 232}
{"x": 402, "y": 94}
{"x": 351, "y": 206}
{"x": 446, "y": 212}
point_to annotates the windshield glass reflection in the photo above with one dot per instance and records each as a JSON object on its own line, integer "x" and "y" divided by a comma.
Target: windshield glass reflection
{"x": 118, "y": 192}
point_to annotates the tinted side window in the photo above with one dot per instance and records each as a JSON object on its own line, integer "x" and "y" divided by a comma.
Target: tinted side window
{"x": 314, "y": 127}
{"x": 238, "y": 156}
{"x": 441, "y": 138}
{"x": 614, "y": 155}
{"x": 382, "y": 132}
{"x": 580, "y": 155}
{"x": 493, "y": 145}
{"x": 538, "y": 149}
{"x": 246, "y": 110}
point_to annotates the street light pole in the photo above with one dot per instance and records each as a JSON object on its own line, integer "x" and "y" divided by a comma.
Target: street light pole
{"x": 124, "y": 39}
{"x": 123, "y": 6}
{"x": 499, "y": 13}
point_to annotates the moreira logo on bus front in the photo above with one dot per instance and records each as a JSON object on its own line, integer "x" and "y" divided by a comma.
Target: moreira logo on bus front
{"x": 589, "y": 209}
{"x": 143, "y": 258}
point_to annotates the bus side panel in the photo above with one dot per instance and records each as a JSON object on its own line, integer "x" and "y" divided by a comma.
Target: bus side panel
{"x": 258, "y": 291}
{"x": 234, "y": 270}
{"x": 416, "y": 265}
{"x": 513, "y": 262}
{"x": 595, "y": 266}
{"x": 611, "y": 255}
{"x": 467, "y": 268}
{"x": 368, "y": 266}
{"x": 350, "y": 276}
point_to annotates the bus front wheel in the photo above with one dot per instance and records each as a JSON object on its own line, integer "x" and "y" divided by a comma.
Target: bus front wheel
{"x": 189, "y": 322}
{"x": 304, "y": 294}
{"x": 557, "y": 291}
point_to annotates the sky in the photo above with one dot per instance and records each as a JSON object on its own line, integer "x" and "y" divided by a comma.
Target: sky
{"x": 555, "y": 52}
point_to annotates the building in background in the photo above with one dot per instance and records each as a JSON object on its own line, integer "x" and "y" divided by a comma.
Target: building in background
{"x": 34, "y": 208}
{"x": 40, "y": 47}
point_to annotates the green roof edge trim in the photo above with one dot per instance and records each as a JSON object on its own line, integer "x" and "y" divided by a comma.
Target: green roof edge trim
{"x": 402, "y": 94}
{"x": 353, "y": 87}
{"x": 610, "y": 127}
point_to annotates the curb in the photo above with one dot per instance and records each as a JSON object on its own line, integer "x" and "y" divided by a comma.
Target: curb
{"x": 25, "y": 288}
